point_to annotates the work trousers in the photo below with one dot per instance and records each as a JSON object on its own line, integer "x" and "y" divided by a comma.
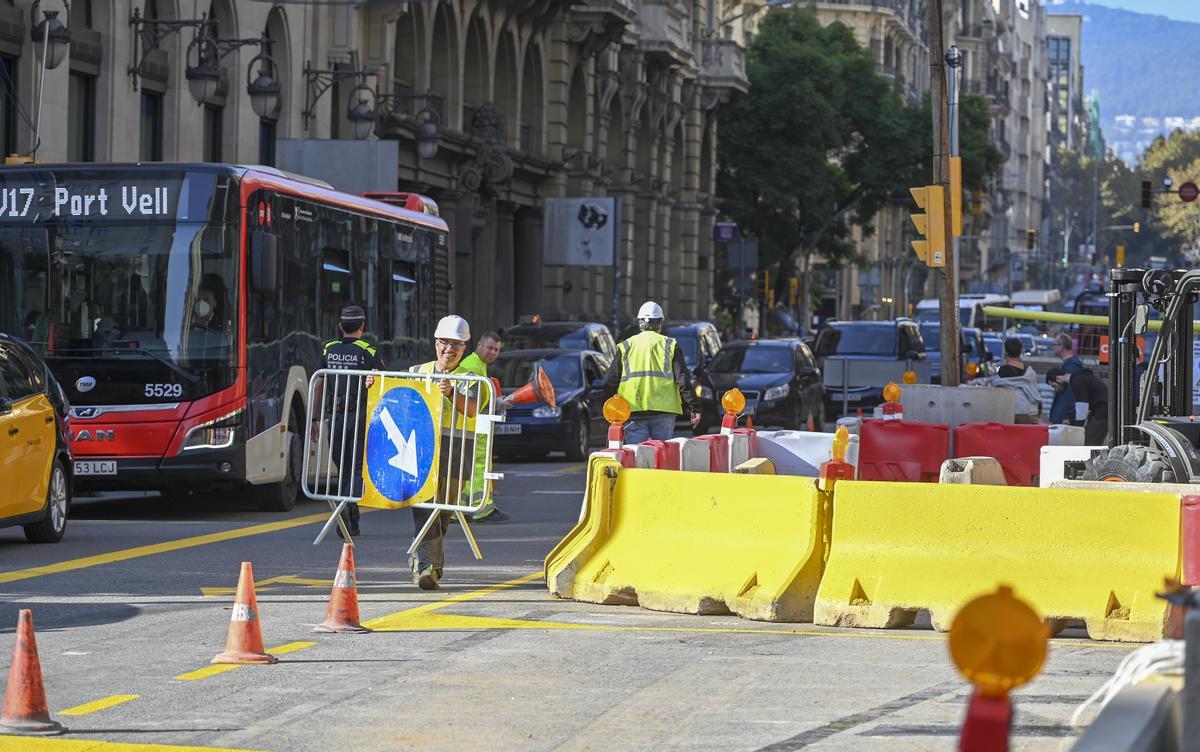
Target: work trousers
{"x": 349, "y": 462}
{"x": 454, "y": 460}
{"x": 659, "y": 426}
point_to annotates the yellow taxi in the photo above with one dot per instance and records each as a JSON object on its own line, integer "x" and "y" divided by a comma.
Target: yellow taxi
{"x": 35, "y": 447}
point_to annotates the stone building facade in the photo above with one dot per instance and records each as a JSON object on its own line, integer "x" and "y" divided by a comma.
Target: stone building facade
{"x": 535, "y": 99}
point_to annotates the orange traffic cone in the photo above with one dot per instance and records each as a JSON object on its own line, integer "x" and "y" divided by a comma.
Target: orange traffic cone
{"x": 25, "y": 710}
{"x": 244, "y": 644}
{"x": 811, "y": 426}
{"x": 342, "y": 614}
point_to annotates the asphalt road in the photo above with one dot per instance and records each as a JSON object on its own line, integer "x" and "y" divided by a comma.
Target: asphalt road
{"x": 135, "y": 601}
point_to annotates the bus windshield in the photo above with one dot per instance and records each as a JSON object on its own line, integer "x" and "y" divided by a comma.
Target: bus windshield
{"x": 125, "y": 281}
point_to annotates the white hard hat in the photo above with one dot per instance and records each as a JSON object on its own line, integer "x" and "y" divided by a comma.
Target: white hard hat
{"x": 649, "y": 311}
{"x": 453, "y": 327}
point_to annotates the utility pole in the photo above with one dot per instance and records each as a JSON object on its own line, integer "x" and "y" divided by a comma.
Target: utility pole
{"x": 941, "y": 177}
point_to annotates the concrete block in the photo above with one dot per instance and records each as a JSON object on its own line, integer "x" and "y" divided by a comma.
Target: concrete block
{"x": 957, "y": 405}
{"x": 977, "y": 471}
{"x": 802, "y": 452}
{"x": 756, "y": 466}
{"x": 693, "y": 455}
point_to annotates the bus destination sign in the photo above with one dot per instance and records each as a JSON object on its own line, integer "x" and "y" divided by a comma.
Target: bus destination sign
{"x": 131, "y": 201}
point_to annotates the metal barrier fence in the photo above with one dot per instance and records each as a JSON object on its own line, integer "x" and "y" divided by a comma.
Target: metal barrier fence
{"x": 440, "y": 456}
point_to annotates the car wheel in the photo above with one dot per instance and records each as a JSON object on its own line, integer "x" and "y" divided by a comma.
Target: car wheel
{"x": 281, "y": 496}
{"x": 578, "y": 450}
{"x": 50, "y": 529}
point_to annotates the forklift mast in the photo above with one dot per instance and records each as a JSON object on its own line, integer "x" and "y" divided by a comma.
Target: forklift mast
{"x": 1126, "y": 285}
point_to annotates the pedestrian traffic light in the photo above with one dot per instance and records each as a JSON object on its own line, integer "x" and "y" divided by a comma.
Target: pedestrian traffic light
{"x": 931, "y": 225}
{"x": 1147, "y": 194}
{"x": 1030, "y": 239}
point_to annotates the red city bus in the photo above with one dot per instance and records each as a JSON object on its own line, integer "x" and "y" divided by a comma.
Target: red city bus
{"x": 183, "y": 308}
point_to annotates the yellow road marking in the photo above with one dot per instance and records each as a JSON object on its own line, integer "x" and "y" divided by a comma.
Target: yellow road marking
{"x": 207, "y": 671}
{"x": 422, "y": 619}
{"x": 159, "y": 548}
{"x": 220, "y": 668}
{"x": 32, "y": 744}
{"x": 101, "y": 704}
{"x": 291, "y": 647}
{"x": 263, "y": 586}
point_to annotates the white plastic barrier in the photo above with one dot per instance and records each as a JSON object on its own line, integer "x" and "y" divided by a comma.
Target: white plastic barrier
{"x": 693, "y": 455}
{"x": 1064, "y": 435}
{"x": 1052, "y": 467}
{"x": 643, "y": 456}
{"x": 739, "y": 449}
{"x": 802, "y": 452}
{"x": 852, "y": 423}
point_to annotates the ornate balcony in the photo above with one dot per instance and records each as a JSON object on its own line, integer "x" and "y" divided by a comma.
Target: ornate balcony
{"x": 663, "y": 27}
{"x": 598, "y": 23}
{"x": 723, "y": 68}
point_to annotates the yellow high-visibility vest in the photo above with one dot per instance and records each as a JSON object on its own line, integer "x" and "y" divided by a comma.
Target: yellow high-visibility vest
{"x": 647, "y": 378}
{"x": 461, "y": 421}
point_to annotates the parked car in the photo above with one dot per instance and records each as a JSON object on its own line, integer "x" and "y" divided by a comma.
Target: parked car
{"x": 779, "y": 377}
{"x": 535, "y": 429}
{"x": 35, "y": 445}
{"x": 932, "y": 334}
{"x": 868, "y": 355}
{"x": 568, "y": 335}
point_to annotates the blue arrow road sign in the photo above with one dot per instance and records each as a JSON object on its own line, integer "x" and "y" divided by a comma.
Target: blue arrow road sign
{"x": 400, "y": 444}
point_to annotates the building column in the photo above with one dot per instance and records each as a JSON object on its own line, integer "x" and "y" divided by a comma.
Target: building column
{"x": 504, "y": 289}
{"x": 527, "y": 262}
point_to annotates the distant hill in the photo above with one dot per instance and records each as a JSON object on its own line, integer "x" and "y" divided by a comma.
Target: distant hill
{"x": 1142, "y": 65}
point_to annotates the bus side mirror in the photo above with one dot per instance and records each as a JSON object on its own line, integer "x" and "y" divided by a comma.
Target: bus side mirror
{"x": 264, "y": 259}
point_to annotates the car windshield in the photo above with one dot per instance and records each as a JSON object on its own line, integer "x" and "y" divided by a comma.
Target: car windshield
{"x": 857, "y": 340}
{"x": 752, "y": 359}
{"x": 689, "y": 343}
{"x": 995, "y": 347}
{"x": 534, "y": 337}
{"x": 513, "y": 371}
{"x": 130, "y": 275}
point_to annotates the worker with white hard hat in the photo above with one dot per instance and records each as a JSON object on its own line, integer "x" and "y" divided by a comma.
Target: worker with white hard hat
{"x": 460, "y": 404}
{"x": 651, "y": 375}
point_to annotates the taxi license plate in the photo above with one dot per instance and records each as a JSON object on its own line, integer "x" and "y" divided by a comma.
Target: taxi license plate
{"x": 508, "y": 428}
{"x": 95, "y": 467}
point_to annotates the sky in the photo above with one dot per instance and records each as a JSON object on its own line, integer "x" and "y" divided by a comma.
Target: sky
{"x": 1180, "y": 10}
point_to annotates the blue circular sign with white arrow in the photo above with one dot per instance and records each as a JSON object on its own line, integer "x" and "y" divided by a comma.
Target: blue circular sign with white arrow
{"x": 400, "y": 444}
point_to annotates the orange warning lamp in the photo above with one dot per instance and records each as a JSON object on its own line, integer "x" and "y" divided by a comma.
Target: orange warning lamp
{"x": 909, "y": 377}
{"x": 972, "y": 370}
{"x": 891, "y": 393}
{"x": 733, "y": 401}
{"x": 841, "y": 441}
{"x": 998, "y": 642}
{"x": 616, "y": 410}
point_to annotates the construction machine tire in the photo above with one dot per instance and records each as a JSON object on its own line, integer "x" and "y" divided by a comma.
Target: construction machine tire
{"x": 1129, "y": 463}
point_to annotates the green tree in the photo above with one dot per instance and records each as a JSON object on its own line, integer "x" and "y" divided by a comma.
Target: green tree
{"x": 1176, "y": 156}
{"x": 822, "y": 142}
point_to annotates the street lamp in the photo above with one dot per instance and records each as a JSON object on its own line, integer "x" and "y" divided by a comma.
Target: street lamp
{"x": 263, "y": 88}
{"x": 203, "y": 70}
{"x": 427, "y": 133}
{"x": 360, "y": 111}
{"x": 51, "y": 39}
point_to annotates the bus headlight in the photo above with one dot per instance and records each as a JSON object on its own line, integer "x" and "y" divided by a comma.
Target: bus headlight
{"x": 218, "y": 433}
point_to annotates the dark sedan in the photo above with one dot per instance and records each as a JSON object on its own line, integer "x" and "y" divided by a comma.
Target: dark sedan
{"x": 779, "y": 377}
{"x": 535, "y": 429}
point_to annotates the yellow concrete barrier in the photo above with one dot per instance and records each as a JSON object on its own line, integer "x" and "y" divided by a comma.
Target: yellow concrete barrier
{"x": 1098, "y": 556}
{"x": 697, "y": 543}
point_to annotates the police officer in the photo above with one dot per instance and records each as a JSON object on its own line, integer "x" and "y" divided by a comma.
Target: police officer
{"x": 651, "y": 375}
{"x": 349, "y": 353}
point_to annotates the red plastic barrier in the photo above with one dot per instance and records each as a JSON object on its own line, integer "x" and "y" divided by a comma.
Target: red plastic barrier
{"x": 666, "y": 454}
{"x": 625, "y": 456}
{"x": 718, "y": 452}
{"x": 1190, "y": 532}
{"x": 753, "y": 434}
{"x": 902, "y": 450}
{"x": 1018, "y": 448}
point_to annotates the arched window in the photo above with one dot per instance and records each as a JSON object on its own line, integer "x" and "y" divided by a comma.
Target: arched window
{"x": 532, "y": 104}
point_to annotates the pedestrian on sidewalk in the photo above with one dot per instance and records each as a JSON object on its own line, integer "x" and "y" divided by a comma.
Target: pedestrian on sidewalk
{"x": 487, "y": 350}
{"x": 1022, "y": 379}
{"x": 1091, "y": 403}
{"x": 1062, "y": 410}
{"x": 460, "y": 405}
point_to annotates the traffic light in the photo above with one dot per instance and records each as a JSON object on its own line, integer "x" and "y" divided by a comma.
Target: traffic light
{"x": 956, "y": 190}
{"x": 1120, "y": 255}
{"x": 768, "y": 291}
{"x": 1137, "y": 227}
{"x": 931, "y": 225}
{"x": 794, "y": 291}
{"x": 1031, "y": 239}
{"x": 1147, "y": 194}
